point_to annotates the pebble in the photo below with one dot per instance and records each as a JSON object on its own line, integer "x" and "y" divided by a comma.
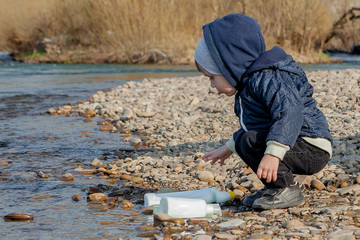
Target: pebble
{"x": 163, "y": 217}
{"x": 18, "y": 217}
{"x": 127, "y": 204}
{"x": 225, "y": 236}
{"x": 206, "y": 176}
{"x": 41, "y": 174}
{"x": 350, "y": 189}
{"x": 293, "y": 223}
{"x": 317, "y": 184}
{"x": 77, "y": 197}
{"x": 67, "y": 177}
{"x": 97, "y": 197}
{"x": 231, "y": 223}
{"x": 202, "y": 237}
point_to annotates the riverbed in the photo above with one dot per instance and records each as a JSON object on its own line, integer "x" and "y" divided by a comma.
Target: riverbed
{"x": 31, "y": 141}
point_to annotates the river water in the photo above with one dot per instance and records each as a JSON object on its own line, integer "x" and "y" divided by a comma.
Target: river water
{"x": 32, "y": 141}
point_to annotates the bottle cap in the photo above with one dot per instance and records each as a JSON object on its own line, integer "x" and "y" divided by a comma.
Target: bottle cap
{"x": 232, "y": 195}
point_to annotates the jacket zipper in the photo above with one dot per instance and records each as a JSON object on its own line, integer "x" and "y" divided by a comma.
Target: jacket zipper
{"x": 241, "y": 116}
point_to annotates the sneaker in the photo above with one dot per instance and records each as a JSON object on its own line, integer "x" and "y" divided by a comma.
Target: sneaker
{"x": 249, "y": 200}
{"x": 289, "y": 196}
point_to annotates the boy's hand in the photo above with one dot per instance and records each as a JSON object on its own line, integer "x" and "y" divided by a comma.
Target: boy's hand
{"x": 268, "y": 168}
{"x": 221, "y": 153}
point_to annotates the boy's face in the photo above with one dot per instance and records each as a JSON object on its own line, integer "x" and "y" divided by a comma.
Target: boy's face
{"x": 219, "y": 82}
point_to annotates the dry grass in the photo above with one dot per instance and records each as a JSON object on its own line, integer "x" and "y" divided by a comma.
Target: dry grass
{"x": 133, "y": 29}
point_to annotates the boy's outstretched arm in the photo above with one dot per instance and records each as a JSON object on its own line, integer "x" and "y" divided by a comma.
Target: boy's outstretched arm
{"x": 221, "y": 154}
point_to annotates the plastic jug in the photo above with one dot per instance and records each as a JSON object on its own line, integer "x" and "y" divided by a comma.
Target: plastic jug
{"x": 188, "y": 208}
{"x": 210, "y": 195}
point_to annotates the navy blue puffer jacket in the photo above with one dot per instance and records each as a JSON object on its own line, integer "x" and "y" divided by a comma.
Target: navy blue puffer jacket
{"x": 273, "y": 92}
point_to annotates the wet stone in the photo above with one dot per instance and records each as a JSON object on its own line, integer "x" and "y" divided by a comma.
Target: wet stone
{"x": 77, "y": 197}
{"x": 18, "y": 217}
{"x": 97, "y": 197}
{"x": 67, "y": 177}
{"x": 41, "y": 174}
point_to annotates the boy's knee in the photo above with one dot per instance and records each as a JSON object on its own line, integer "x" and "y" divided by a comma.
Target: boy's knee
{"x": 250, "y": 140}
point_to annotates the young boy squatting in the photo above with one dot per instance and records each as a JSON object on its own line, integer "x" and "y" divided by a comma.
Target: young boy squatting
{"x": 282, "y": 131}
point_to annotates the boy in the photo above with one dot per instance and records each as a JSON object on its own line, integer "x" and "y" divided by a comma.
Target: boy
{"x": 282, "y": 131}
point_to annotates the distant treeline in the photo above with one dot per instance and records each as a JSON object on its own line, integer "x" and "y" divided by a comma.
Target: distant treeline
{"x": 142, "y": 31}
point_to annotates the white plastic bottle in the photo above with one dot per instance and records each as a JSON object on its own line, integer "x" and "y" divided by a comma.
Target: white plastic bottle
{"x": 188, "y": 208}
{"x": 210, "y": 195}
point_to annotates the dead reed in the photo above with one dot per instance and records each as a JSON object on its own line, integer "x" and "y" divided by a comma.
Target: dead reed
{"x": 134, "y": 29}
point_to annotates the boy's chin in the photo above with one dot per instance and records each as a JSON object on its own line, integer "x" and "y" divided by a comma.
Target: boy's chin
{"x": 229, "y": 94}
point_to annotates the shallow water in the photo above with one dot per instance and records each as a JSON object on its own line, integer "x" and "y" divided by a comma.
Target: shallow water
{"x": 32, "y": 141}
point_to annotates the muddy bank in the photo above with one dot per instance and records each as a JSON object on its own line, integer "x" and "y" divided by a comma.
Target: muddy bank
{"x": 170, "y": 123}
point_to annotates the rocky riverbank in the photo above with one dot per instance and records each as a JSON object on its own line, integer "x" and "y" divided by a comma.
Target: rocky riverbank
{"x": 170, "y": 123}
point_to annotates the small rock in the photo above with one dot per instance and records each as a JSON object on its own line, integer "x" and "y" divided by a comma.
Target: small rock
{"x": 353, "y": 188}
{"x": 41, "y": 174}
{"x": 239, "y": 193}
{"x": 148, "y": 210}
{"x": 127, "y": 114}
{"x": 163, "y": 217}
{"x": 18, "y": 217}
{"x": 305, "y": 180}
{"x": 202, "y": 237}
{"x": 97, "y": 163}
{"x": 77, "y": 197}
{"x": 233, "y": 223}
{"x": 127, "y": 204}
{"x": 206, "y": 176}
{"x": 67, "y": 177}
{"x": 97, "y": 197}
{"x": 293, "y": 223}
{"x": 107, "y": 128}
{"x": 225, "y": 236}
{"x": 343, "y": 234}
{"x": 94, "y": 190}
{"x": 317, "y": 184}
{"x": 90, "y": 114}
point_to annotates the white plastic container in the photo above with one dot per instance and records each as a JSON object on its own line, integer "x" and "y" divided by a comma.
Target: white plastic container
{"x": 188, "y": 208}
{"x": 210, "y": 195}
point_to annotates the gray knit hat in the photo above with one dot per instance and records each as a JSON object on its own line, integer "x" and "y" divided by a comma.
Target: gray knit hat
{"x": 204, "y": 59}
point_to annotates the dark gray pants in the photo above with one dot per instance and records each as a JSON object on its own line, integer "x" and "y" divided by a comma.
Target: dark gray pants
{"x": 303, "y": 158}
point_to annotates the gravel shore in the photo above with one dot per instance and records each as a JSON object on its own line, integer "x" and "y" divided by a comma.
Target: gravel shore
{"x": 168, "y": 124}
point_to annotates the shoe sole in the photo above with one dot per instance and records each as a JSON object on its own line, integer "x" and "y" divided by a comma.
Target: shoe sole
{"x": 283, "y": 205}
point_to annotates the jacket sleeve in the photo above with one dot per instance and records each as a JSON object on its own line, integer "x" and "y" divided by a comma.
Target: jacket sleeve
{"x": 231, "y": 143}
{"x": 281, "y": 99}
